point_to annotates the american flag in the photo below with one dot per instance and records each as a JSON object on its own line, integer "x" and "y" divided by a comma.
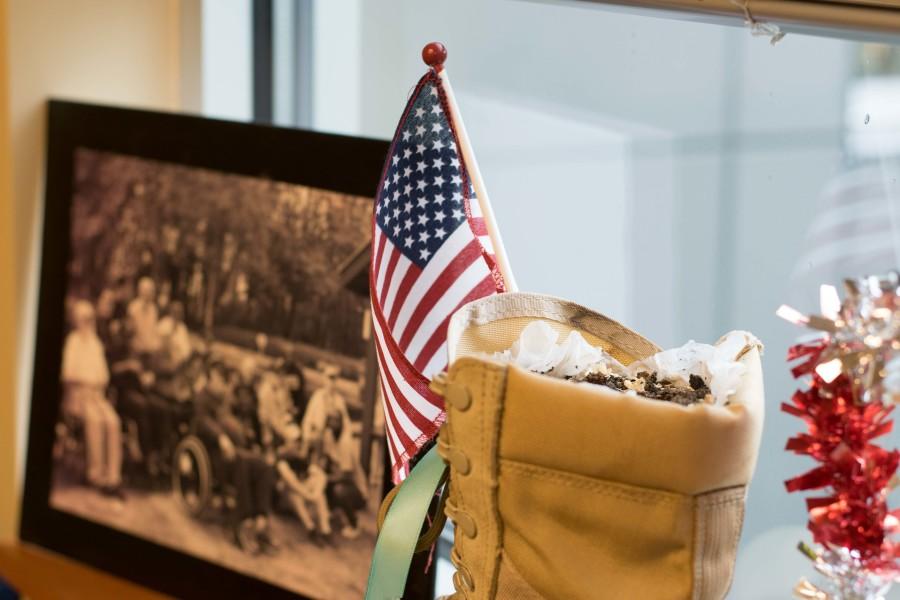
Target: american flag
{"x": 430, "y": 255}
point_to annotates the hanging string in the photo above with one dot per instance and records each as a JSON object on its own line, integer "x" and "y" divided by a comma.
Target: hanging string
{"x": 758, "y": 28}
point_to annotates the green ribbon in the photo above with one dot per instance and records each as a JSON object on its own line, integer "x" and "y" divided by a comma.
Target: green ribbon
{"x": 402, "y": 526}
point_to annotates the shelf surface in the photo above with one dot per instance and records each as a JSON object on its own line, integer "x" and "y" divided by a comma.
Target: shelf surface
{"x": 41, "y": 575}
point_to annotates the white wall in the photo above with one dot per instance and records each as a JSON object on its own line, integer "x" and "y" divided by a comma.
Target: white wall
{"x": 227, "y": 70}
{"x": 124, "y": 52}
{"x": 337, "y": 92}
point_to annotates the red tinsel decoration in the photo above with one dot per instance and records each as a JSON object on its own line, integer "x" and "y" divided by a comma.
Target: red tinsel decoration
{"x": 856, "y": 472}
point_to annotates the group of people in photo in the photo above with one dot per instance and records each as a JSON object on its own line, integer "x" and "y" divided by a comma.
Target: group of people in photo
{"x": 137, "y": 381}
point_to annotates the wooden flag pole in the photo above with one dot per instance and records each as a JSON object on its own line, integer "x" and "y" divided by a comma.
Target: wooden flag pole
{"x": 434, "y": 55}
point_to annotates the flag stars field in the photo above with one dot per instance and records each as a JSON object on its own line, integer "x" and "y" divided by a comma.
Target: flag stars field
{"x": 424, "y": 172}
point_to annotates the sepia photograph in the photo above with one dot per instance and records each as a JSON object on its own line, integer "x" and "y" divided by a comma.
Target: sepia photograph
{"x": 216, "y": 371}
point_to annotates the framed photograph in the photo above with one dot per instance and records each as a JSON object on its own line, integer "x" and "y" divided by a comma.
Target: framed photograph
{"x": 204, "y": 417}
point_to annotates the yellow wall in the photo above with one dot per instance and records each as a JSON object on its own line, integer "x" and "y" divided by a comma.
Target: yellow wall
{"x": 7, "y": 301}
{"x": 124, "y": 52}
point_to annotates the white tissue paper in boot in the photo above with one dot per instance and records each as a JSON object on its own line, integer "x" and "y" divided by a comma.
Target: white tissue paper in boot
{"x": 719, "y": 365}
{"x": 538, "y": 350}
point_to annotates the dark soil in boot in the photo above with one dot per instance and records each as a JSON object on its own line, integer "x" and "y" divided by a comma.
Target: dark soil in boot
{"x": 649, "y": 386}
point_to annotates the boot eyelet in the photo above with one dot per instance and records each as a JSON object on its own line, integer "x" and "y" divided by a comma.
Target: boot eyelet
{"x": 466, "y": 524}
{"x": 461, "y": 463}
{"x": 458, "y": 397}
{"x": 443, "y": 450}
{"x": 455, "y": 458}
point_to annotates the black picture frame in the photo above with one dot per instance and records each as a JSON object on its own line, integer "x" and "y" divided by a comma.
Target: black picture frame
{"x": 331, "y": 162}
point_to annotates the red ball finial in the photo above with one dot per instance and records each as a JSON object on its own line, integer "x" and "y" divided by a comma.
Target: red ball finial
{"x": 434, "y": 55}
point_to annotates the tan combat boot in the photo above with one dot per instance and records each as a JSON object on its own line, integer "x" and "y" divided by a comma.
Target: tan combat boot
{"x": 566, "y": 491}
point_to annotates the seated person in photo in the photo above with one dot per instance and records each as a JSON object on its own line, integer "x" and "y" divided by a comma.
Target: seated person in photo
{"x": 147, "y": 416}
{"x": 275, "y": 409}
{"x": 301, "y": 472}
{"x": 347, "y": 489}
{"x": 304, "y": 487}
{"x": 238, "y": 460}
{"x": 323, "y": 402}
{"x": 85, "y": 377}
{"x": 178, "y": 389}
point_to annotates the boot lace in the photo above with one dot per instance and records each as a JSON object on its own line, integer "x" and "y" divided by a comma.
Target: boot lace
{"x": 458, "y": 398}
